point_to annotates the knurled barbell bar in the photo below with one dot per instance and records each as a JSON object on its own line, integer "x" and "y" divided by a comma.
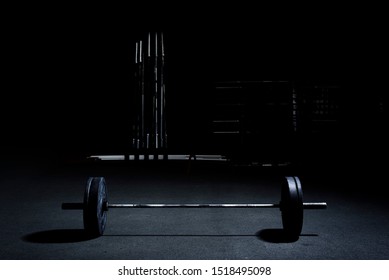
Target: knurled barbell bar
{"x": 95, "y": 206}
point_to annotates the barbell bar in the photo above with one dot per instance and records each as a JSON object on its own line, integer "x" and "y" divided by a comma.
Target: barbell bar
{"x": 96, "y": 205}
{"x": 174, "y": 205}
{"x": 80, "y": 206}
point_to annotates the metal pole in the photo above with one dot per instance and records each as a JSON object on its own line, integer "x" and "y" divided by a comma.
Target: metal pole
{"x": 306, "y": 205}
{"x": 141, "y": 64}
{"x": 156, "y": 91}
{"x": 193, "y": 205}
{"x": 162, "y": 95}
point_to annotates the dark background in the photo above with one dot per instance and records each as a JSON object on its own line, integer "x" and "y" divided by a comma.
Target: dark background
{"x": 68, "y": 88}
{"x": 67, "y": 91}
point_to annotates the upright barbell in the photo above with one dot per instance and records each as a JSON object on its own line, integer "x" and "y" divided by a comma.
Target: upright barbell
{"x": 96, "y": 205}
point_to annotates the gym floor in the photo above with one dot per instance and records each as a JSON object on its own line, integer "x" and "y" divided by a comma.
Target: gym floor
{"x": 33, "y": 226}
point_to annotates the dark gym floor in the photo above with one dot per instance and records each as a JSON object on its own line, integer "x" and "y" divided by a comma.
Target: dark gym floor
{"x": 33, "y": 226}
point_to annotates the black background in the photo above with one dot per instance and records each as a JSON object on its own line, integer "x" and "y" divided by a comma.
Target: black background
{"x": 68, "y": 82}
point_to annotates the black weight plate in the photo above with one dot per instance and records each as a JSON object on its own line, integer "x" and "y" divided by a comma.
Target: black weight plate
{"x": 292, "y": 208}
{"x": 95, "y": 199}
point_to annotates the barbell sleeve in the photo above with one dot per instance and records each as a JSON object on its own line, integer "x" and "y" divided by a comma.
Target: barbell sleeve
{"x": 315, "y": 205}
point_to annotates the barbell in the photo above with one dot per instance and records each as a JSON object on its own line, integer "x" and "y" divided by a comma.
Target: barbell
{"x": 96, "y": 205}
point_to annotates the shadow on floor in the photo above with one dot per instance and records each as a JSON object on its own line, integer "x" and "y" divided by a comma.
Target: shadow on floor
{"x": 79, "y": 235}
{"x": 58, "y": 236}
{"x": 277, "y": 235}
